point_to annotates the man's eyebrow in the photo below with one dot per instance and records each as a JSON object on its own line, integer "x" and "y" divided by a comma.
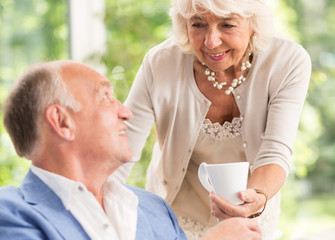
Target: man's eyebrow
{"x": 105, "y": 85}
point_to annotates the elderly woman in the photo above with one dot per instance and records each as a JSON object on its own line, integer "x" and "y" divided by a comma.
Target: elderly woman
{"x": 223, "y": 89}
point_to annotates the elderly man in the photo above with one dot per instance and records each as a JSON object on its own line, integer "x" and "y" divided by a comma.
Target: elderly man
{"x": 62, "y": 116}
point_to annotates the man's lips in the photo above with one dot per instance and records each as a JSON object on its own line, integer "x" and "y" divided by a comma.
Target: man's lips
{"x": 122, "y": 131}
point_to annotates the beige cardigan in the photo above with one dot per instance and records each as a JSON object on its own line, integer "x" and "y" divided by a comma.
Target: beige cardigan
{"x": 165, "y": 93}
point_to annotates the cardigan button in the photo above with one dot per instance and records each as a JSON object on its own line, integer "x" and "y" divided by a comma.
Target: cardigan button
{"x": 245, "y": 144}
{"x": 238, "y": 96}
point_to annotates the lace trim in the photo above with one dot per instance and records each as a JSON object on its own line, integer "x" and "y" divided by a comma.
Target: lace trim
{"x": 222, "y": 132}
{"x": 193, "y": 229}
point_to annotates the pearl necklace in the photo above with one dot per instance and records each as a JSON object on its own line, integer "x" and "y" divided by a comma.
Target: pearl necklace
{"x": 236, "y": 81}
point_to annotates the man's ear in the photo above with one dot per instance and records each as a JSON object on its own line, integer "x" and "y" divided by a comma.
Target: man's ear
{"x": 60, "y": 121}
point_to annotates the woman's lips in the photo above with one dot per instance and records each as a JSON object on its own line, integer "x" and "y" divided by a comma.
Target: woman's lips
{"x": 217, "y": 56}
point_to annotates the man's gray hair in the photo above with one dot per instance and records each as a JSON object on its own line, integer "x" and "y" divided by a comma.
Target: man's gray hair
{"x": 39, "y": 87}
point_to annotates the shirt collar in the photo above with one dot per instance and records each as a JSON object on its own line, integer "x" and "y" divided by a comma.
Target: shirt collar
{"x": 62, "y": 186}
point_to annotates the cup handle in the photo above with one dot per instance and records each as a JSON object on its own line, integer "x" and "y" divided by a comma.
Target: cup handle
{"x": 203, "y": 177}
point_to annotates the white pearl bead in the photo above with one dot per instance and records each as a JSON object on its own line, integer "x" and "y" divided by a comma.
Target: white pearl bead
{"x": 235, "y": 82}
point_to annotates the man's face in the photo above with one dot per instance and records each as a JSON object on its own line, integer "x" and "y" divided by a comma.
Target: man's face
{"x": 99, "y": 125}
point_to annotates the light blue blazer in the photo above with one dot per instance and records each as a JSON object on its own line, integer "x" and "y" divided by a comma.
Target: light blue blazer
{"x": 34, "y": 211}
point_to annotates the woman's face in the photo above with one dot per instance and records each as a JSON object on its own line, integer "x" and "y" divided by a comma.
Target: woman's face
{"x": 219, "y": 42}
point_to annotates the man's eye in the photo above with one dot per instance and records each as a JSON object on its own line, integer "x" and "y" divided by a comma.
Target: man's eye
{"x": 106, "y": 95}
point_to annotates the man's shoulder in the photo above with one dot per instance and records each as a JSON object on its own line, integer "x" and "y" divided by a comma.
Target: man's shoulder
{"x": 9, "y": 194}
{"x": 11, "y": 201}
{"x": 150, "y": 203}
{"x": 156, "y": 219}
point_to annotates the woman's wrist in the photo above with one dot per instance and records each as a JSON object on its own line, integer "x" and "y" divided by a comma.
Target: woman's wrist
{"x": 260, "y": 191}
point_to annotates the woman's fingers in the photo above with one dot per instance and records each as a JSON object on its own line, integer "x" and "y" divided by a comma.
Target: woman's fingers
{"x": 223, "y": 209}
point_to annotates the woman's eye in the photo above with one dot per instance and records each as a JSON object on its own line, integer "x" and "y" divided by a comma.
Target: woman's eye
{"x": 198, "y": 25}
{"x": 228, "y": 26}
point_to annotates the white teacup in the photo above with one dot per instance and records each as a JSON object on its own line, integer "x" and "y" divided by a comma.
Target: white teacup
{"x": 226, "y": 179}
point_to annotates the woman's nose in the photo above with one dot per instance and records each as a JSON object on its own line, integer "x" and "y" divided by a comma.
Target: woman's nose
{"x": 213, "y": 38}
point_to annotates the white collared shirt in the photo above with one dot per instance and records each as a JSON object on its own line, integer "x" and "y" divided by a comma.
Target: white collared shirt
{"x": 119, "y": 219}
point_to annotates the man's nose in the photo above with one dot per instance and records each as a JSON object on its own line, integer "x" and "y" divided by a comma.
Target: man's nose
{"x": 124, "y": 112}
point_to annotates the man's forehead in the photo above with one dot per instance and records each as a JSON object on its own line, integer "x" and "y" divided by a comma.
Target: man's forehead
{"x": 79, "y": 72}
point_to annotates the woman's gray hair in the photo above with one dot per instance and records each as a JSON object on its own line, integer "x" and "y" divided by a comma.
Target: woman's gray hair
{"x": 38, "y": 88}
{"x": 261, "y": 19}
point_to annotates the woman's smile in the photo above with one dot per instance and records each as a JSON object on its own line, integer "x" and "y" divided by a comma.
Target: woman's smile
{"x": 217, "y": 56}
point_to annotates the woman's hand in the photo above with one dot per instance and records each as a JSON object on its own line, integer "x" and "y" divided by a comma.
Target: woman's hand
{"x": 222, "y": 209}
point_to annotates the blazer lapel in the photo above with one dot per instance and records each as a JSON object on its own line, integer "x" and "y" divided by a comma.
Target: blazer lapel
{"x": 47, "y": 203}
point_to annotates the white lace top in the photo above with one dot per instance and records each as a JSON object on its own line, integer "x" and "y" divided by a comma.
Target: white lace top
{"x": 222, "y": 132}
{"x": 216, "y": 143}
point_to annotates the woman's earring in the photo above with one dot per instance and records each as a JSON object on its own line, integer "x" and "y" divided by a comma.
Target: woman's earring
{"x": 252, "y": 42}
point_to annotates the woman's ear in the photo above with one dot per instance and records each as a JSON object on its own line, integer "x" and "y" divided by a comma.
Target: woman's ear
{"x": 60, "y": 121}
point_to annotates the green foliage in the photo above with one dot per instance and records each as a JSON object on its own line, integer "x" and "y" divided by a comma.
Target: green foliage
{"x": 308, "y": 195}
{"x": 133, "y": 27}
{"x": 31, "y": 31}
{"x": 303, "y": 215}
{"x": 314, "y": 21}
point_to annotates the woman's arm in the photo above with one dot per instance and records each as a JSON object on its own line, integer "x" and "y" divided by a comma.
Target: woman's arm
{"x": 271, "y": 164}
